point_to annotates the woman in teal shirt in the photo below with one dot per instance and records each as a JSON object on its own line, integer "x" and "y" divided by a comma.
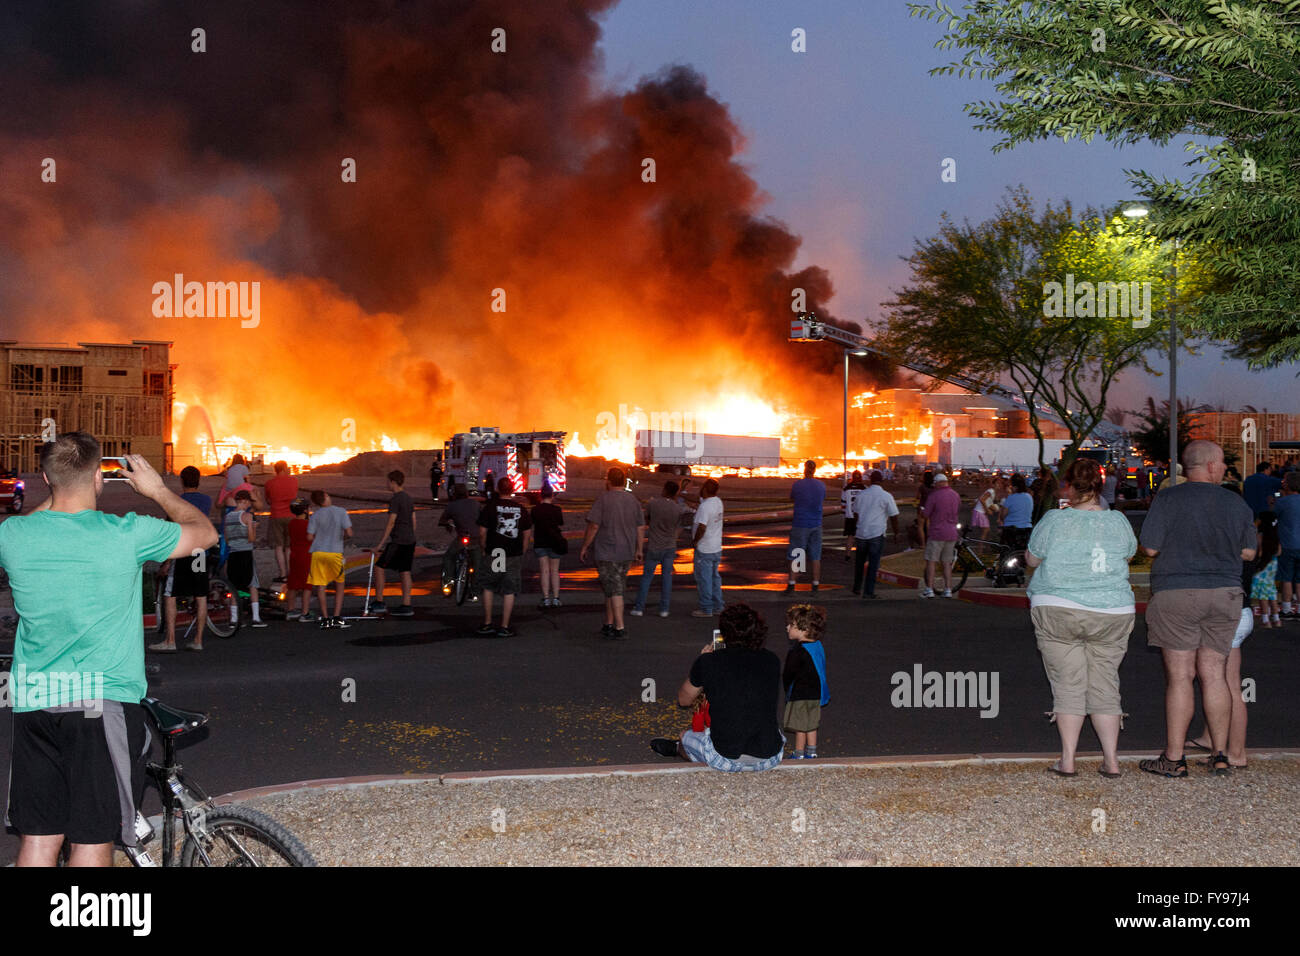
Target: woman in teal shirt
{"x": 1082, "y": 607}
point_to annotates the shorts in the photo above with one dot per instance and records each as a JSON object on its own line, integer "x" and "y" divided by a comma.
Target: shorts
{"x": 396, "y": 557}
{"x": 1185, "y": 619}
{"x": 613, "y": 576}
{"x": 508, "y": 581}
{"x": 77, "y": 774}
{"x": 1082, "y": 651}
{"x": 1288, "y": 566}
{"x": 699, "y": 747}
{"x": 326, "y": 568}
{"x": 941, "y": 551}
{"x": 978, "y": 519}
{"x": 807, "y": 540}
{"x": 1244, "y": 627}
{"x": 241, "y": 569}
{"x": 802, "y": 716}
{"x": 546, "y": 553}
{"x": 184, "y": 582}
{"x": 280, "y": 532}
{"x": 850, "y": 527}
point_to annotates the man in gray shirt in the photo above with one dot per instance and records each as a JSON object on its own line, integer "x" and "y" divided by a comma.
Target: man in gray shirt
{"x": 616, "y": 529}
{"x": 1199, "y": 534}
{"x": 664, "y": 518}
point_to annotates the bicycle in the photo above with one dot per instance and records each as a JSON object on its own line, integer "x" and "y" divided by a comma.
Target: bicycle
{"x": 1005, "y": 567}
{"x": 215, "y": 835}
{"x": 219, "y": 622}
{"x": 458, "y": 578}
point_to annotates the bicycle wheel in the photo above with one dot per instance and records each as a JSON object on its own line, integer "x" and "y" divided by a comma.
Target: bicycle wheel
{"x": 967, "y": 563}
{"x": 462, "y": 580}
{"x": 219, "y": 620}
{"x": 241, "y": 836}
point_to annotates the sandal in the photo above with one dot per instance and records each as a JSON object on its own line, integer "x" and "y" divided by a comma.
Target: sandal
{"x": 1165, "y": 767}
{"x": 1108, "y": 775}
{"x": 1219, "y": 765}
{"x": 1193, "y": 745}
{"x": 1056, "y": 769}
{"x": 162, "y": 648}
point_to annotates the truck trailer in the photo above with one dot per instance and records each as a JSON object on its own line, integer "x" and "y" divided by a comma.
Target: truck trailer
{"x": 998, "y": 454}
{"x": 678, "y": 452}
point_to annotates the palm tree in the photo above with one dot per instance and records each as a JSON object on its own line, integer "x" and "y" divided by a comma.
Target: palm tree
{"x": 1152, "y": 437}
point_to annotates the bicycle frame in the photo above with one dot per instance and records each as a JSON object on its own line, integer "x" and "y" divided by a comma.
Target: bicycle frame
{"x": 178, "y": 795}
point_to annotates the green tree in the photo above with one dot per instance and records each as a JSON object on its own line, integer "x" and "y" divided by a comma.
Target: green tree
{"x": 1130, "y": 70}
{"x": 979, "y": 304}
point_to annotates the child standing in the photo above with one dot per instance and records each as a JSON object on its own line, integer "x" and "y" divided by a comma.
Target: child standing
{"x": 241, "y": 536}
{"x": 804, "y": 677}
{"x": 1263, "y": 587}
{"x": 299, "y": 563}
{"x": 326, "y": 529}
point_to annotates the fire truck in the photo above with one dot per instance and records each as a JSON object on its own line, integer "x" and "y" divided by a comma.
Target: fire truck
{"x": 529, "y": 459}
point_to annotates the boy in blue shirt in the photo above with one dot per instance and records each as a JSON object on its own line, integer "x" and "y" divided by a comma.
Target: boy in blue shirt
{"x": 804, "y": 677}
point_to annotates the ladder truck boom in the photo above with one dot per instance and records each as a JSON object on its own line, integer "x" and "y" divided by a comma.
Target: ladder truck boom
{"x": 808, "y": 328}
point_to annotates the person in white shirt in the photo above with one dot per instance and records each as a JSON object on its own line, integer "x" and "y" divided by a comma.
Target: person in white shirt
{"x": 707, "y": 539}
{"x": 874, "y": 508}
{"x": 985, "y": 506}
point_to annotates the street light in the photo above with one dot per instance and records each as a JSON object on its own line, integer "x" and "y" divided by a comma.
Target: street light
{"x": 845, "y": 447}
{"x": 1139, "y": 211}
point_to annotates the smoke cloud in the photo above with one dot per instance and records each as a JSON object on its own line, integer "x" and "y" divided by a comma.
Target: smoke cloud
{"x": 476, "y": 171}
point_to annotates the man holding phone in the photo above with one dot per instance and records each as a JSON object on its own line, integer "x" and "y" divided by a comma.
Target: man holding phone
{"x": 76, "y": 578}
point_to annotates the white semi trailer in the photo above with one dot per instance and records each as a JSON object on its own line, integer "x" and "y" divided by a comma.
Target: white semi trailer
{"x": 678, "y": 452}
{"x": 998, "y": 454}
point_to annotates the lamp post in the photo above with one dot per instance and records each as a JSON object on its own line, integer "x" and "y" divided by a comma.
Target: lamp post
{"x": 1138, "y": 211}
{"x": 845, "y": 445}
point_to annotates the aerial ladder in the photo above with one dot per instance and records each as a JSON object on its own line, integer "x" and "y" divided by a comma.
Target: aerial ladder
{"x": 808, "y": 328}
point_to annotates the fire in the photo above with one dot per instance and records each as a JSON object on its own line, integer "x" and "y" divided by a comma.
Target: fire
{"x": 733, "y": 413}
{"x": 207, "y": 451}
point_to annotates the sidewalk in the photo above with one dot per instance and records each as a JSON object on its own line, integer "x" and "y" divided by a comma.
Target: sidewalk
{"x": 964, "y": 811}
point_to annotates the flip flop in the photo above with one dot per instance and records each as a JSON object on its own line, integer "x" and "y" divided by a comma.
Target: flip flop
{"x": 1061, "y": 773}
{"x": 1109, "y": 776}
{"x": 1193, "y": 745}
{"x": 194, "y": 647}
{"x": 161, "y": 649}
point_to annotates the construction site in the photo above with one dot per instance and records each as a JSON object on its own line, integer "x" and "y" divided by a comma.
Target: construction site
{"x": 120, "y": 393}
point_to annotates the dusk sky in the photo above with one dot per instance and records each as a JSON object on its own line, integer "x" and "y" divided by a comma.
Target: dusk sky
{"x": 847, "y": 140}
{"x": 498, "y": 229}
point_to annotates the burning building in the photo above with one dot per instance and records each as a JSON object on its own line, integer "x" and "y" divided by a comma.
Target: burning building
{"x": 904, "y": 425}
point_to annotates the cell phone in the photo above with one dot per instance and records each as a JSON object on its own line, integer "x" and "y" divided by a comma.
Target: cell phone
{"x": 1062, "y": 502}
{"x": 114, "y": 469}
{"x": 718, "y": 642}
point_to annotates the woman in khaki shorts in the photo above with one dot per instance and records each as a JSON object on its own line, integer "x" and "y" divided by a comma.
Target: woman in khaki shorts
{"x": 1082, "y": 607}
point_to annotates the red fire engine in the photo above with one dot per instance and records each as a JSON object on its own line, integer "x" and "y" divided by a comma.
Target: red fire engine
{"x": 529, "y": 459}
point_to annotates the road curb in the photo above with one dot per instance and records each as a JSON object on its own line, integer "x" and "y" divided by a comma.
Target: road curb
{"x": 543, "y": 774}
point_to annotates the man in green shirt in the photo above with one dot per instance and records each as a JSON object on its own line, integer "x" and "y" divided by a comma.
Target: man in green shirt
{"x": 78, "y": 672}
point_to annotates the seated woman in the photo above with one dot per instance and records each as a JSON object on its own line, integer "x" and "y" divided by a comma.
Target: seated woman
{"x": 1082, "y": 607}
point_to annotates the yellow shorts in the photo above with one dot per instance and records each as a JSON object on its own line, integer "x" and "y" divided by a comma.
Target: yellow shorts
{"x": 326, "y": 567}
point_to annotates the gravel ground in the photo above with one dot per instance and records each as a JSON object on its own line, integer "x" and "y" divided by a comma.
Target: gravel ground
{"x": 968, "y": 814}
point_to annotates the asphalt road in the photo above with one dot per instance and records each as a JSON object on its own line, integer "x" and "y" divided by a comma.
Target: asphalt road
{"x": 431, "y": 697}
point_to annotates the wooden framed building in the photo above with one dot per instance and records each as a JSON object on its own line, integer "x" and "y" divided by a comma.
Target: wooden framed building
{"x": 120, "y": 393}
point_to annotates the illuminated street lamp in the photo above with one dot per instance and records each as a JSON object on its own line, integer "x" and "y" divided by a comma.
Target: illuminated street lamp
{"x": 845, "y": 448}
{"x": 1138, "y": 211}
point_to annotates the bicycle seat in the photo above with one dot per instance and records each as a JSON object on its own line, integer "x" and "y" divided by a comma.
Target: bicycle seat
{"x": 172, "y": 721}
